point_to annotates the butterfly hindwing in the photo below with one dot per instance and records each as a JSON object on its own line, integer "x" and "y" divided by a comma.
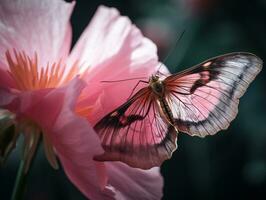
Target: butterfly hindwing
{"x": 136, "y": 134}
{"x": 204, "y": 99}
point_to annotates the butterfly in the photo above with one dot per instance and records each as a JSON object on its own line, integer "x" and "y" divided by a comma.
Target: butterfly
{"x": 199, "y": 101}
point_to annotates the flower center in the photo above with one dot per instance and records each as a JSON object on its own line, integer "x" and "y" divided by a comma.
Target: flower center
{"x": 29, "y": 76}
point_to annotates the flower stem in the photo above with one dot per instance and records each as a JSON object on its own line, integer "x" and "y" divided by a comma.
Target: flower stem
{"x": 20, "y": 183}
{"x": 22, "y": 174}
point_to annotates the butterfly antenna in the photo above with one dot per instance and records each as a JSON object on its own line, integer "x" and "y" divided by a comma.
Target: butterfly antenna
{"x": 172, "y": 49}
{"x": 129, "y": 79}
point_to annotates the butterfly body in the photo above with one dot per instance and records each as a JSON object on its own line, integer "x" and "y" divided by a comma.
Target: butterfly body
{"x": 199, "y": 101}
{"x": 158, "y": 89}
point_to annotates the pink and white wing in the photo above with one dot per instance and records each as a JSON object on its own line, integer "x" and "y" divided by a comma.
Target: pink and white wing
{"x": 204, "y": 99}
{"x": 135, "y": 133}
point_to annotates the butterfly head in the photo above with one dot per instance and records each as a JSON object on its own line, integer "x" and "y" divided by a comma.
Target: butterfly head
{"x": 156, "y": 85}
{"x": 154, "y": 78}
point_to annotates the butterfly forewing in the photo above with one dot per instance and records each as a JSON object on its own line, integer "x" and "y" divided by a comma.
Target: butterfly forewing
{"x": 136, "y": 133}
{"x": 204, "y": 98}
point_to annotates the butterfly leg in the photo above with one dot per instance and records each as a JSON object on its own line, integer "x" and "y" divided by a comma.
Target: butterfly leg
{"x": 140, "y": 81}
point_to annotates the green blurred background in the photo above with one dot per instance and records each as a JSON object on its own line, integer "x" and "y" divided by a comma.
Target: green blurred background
{"x": 229, "y": 165}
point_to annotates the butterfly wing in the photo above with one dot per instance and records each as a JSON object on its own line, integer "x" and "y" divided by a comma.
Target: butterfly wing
{"x": 204, "y": 99}
{"x": 135, "y": 133}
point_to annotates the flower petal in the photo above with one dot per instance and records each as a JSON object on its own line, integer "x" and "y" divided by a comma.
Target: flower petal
{"x": 35, "y": 26}
{"x": 76, "y": 143}
{"x": 132, "y": 183}
{"x": 114, "y": 49}
{"x": 111, "y": 39}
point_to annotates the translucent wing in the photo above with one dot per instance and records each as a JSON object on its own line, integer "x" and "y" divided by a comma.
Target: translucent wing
{"x": 135, "y": 133}
{"x": 204, "y": 99}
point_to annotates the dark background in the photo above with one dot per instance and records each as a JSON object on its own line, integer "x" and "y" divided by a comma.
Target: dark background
{"x": 229, "y": 165}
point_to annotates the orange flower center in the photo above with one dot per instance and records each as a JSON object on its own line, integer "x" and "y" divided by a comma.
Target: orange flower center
{"x": 29, "y": 76}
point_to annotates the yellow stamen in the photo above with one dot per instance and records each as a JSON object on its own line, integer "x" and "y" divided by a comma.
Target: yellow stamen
{"x": 28, "y": 75}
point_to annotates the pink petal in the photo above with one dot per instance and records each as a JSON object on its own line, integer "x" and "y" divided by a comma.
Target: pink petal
{"x": 41, "y": 106}
{"x": 111, "y": 39}
{"x": 132, "y": 183}
{"x": 76, "y": 143}
{"x": 35, "y": 26}
{"x": 114, "y": 49}
{"x": 111, "y": 43}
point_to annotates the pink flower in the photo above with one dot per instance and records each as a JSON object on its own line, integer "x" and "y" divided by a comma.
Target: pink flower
{"x": 40, "y": 83}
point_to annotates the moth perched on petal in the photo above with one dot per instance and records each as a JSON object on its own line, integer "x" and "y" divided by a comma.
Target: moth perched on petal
{"x": 199, "y": 101}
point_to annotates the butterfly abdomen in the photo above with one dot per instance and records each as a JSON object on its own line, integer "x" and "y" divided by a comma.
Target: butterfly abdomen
{"x": 167, "y": 111}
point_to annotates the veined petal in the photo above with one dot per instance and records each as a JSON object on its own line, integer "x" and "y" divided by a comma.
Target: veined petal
{"x": 34, "y": 26}
{"x": 131, "y": 183}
